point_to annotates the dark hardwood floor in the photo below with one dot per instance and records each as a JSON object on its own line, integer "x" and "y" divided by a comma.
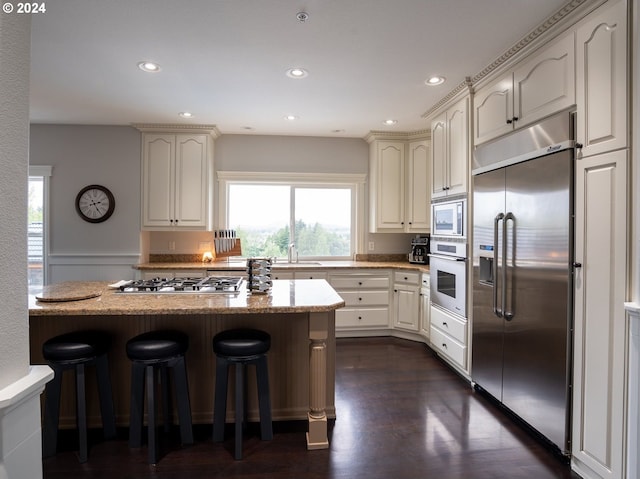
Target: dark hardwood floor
{"x": 402, "y": 414}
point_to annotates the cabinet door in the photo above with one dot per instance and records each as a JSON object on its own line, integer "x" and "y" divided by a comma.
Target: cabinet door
{"x": 418, "y": 205}
{"x": 406, "y": 306}
{"x": 601, "y": 83}
{"x": 390, "y": 185}
{"x": 439, "y": 156}
{"x": 191, "y": 181}
{"x": 493, "y": 110}
{"x": 458, "y": 147}
{"x": 545, "y": 83}
{"x": 425, "y": 317}
{"x": 157, "y": 180}
{"x": 599, "y": 337}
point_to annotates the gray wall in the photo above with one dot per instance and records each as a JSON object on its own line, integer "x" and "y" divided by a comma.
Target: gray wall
{"x": 80, "y": 156}
{"x": 110, "y": 156}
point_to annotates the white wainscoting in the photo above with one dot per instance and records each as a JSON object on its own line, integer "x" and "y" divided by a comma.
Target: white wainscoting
{"x": 83, "y": 267}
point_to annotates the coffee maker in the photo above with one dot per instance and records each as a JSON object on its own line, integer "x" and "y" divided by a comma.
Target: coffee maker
{"x": 419, "y": 250}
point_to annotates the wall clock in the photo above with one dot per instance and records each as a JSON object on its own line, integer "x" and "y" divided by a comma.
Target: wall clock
{"x": 95, "y": 203}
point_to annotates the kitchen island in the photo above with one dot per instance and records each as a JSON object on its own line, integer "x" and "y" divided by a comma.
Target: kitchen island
{"x": 298, "y": 314}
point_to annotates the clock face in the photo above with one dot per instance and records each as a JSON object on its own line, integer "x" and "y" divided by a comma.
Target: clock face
{"x": 95, "y": 203}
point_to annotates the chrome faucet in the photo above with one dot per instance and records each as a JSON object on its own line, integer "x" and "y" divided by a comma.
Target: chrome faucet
{"x": 290, "y": 250}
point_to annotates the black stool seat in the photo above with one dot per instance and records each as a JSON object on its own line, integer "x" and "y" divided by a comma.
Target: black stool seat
{"x": 74, "y": 351}
{"x": 241, "y": 343}
{"x": 157, "y": 346}
{"x": 241, "y": 347}
{"x": 152, "y": 352}
{"x": 76, "y": 346}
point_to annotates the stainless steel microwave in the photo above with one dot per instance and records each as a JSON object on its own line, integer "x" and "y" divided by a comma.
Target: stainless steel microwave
{"x": 449, "y": 218}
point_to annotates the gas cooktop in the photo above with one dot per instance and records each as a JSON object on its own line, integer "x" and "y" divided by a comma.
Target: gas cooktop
{"x": 206, "y": 285}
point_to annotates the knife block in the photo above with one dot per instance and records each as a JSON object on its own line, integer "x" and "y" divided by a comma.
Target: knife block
{"x": 236, "y": 250}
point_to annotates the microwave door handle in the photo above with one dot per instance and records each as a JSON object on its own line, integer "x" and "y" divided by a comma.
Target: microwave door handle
{"x": 496, "y": 221}
{"x": 508, "y": 314}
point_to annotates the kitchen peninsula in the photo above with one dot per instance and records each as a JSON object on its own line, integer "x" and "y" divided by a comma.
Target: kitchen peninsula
{"x": 298, "y": 314}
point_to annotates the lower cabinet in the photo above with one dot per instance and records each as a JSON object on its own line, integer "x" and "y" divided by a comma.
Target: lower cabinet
{"x": 406, "y": 300}
{"x": 425, "y": 307}
{"x": 366, "y": 296}
{"x": 279, "y": 274}
{"x": 449, "y": 338}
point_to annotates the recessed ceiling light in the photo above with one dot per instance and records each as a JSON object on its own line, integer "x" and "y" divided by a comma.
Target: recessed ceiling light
{"x": 186, "y": 114}
{"x": 390, "y": 122}
{"x": 149, "y": 67}
{"x": 290, "y": 117}
{"x": 297, "y": 72}
{"x": 434, "y": 80}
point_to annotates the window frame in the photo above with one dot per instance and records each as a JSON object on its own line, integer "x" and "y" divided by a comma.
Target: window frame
{"x": 45, "y": 172}
{"x": 356, "y": 182}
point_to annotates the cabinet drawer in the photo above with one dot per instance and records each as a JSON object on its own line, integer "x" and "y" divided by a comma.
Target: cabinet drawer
{"x": 362, "y": 318}
{"x": 365, "y": 298}
{"x": 449, "y": 347}
{"x": 453, "y": 327}
{"x": 406, "y": 277}
{"x": 359, "y": 282}
{"x": 311, "y": 275}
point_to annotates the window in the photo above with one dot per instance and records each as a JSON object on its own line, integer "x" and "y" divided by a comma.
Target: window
{"x": 37, "y": 221}
{"x": 316, "y": 213}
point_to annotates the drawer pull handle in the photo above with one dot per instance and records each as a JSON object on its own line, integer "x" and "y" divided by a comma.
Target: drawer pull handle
{"x": 444, "y": 345}
{"x": 359, "y": 299}
{"x": 444, "y": 323}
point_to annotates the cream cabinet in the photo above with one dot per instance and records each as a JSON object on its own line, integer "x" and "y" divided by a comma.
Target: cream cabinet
{"x": 399, "y": 190}
{"x": 406, "y": 300}
{"x": 449, "y": 335}
{"x": 304, "y": 274}
{"x": 387, "y": 180}
{"x": 450, "y": 150}
{"x": 601, "y": 82}
{"x": 176, "y": 183}
{"x": 542, "y": 84}
{"x": 599, "y": 337}
{"x": 366, "y": 297}
{"x": 425, "y": 306}
{"x": 418, "y": 181}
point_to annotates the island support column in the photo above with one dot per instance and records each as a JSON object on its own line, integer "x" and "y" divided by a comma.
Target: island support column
{"x": 318, "y": 332}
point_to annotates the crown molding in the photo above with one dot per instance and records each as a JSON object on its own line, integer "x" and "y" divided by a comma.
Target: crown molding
{"x": 180, "y": 128}
{"x": 374, "y": 135}
{"x": 554, "y": 25}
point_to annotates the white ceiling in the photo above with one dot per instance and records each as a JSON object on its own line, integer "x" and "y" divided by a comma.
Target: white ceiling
{"x": 225, "y": 60}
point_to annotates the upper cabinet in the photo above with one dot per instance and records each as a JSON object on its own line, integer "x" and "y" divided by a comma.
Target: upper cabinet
{"x": 542, "y": 84}
{"x": 176, "y": 181}
{"x": 418, "y": 209}
{"x": 601, "y": 81}
{"x": 450, "y": 150}
{"x": 399, "y": 192}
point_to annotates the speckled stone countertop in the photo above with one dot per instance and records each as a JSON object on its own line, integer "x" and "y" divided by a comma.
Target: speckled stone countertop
{"x": 323, "y": 265}
{"x": 286, "y": 296}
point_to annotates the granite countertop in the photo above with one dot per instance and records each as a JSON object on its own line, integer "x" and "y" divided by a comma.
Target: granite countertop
{"x": 310, "y": 265}
{"x": 286, "y": 296}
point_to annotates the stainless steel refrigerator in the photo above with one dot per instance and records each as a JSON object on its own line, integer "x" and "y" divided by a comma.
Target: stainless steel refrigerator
{"x": 522, "y": 274}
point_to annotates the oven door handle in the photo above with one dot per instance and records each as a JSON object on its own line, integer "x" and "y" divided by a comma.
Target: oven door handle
{"x": 497, "y": 311}
{"x": 448, "y": 258}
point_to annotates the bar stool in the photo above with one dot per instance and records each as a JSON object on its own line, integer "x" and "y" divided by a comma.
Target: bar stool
{"x": 74, "y": 351}
{"x": 241, "y": 347}
{"x": 150, "y": 353}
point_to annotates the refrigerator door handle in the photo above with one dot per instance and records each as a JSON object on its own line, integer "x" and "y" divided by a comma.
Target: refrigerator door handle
{"x": 496, "y": 221}
{"x": 508, "y": 315}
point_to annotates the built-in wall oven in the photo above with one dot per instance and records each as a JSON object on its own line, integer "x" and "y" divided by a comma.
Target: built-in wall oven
{"x": 448, "y": 275}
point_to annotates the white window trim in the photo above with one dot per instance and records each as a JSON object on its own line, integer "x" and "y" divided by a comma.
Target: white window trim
{"x": 357, "y": 181}
{"x": 45, "y": 172}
